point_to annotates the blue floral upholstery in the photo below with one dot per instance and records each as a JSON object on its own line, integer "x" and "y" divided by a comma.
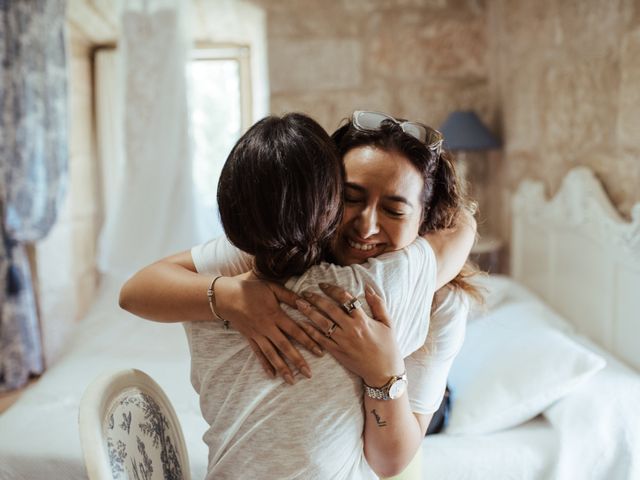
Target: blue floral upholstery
{"x": 141, "y": 440}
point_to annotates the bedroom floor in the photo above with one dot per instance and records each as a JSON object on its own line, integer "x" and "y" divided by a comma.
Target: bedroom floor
{"x": 8, "y": 399}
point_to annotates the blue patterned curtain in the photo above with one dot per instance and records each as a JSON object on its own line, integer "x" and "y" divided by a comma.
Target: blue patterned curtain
{"x": 33, "y": 167}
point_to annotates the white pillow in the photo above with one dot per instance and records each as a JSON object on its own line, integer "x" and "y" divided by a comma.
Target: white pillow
{"x": 497, "y": 290}
{"x": 515, "y": 362}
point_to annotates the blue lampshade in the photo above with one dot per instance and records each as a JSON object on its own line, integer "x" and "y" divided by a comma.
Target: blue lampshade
{"x": 465, "y": 131}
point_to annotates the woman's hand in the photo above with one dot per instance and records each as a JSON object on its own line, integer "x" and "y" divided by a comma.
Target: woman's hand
{"x": 252, "y": 308}
{"x": 364, "y": 345}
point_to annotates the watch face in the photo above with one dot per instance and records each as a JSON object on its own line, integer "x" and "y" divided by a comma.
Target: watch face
{"x": 397, "y": 389}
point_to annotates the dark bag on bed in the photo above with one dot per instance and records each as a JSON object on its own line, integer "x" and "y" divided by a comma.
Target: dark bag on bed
{"x": 441, "y": 416}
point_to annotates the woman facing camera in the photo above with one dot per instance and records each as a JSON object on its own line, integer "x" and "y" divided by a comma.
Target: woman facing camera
{"x": 279, "y": 197}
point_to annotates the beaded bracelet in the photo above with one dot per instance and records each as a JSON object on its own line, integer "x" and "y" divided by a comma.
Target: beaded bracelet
{"x": 211, "y": 294}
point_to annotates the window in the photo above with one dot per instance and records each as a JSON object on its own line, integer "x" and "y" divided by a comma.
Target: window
{"x": 220, "y": 102}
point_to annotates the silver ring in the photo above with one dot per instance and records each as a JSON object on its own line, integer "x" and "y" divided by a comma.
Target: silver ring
{"x": 351, "y": 305}
{"x": 332, "y": 328}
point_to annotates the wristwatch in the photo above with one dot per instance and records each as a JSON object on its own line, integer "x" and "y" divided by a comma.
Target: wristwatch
{"x": 391, "y": 390}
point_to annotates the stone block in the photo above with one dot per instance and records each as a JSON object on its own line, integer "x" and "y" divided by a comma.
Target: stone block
{"x": 314, "y": 65}
{"x": 292, "y": 6}
{"x": 520, "y": 104}
{"x": 331, "y": 108}
{"x": 590, "y": 28}
{"x": 629, "y": 96}
{"x": 326, "y": 19}
{"x": 578, "y": 105}
{"x": 527, "y": 28}
{"x": 432, "y": 100}
{"x": 368, "y": 6}
{"x": 416, "y": 45}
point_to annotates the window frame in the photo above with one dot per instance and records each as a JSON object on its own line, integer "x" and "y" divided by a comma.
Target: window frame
{"x": 206, "y": 51}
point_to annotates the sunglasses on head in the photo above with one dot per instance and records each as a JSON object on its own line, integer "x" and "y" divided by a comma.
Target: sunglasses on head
{"x": 372, "y": 121}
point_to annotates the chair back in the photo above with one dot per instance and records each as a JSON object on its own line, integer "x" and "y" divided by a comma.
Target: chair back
{"x": 129, "y": 430}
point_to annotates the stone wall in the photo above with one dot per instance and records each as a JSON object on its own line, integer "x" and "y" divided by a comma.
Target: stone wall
{"x": 558, "y": 80}
{"x": 565, "y": 75}
{"x": 66, "y": 257}
{"x": 418, "y": 59}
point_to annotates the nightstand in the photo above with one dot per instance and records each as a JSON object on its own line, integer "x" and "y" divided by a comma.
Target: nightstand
{"x": 486, "y": 253}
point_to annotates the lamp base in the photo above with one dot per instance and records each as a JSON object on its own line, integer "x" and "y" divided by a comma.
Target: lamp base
{"x": 462, "y": 171}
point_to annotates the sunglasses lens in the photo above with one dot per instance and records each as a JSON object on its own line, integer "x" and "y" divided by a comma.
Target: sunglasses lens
{"x": 370, "y": 120}
{"x": 415, "y": 130}
{"x": 373, "y": 121}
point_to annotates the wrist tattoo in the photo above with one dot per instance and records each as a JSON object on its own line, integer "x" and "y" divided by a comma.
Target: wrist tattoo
{"x": 379, "y": 421}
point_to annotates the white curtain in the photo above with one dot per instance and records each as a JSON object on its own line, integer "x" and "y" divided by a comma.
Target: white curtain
{"x": 147, "y": 186}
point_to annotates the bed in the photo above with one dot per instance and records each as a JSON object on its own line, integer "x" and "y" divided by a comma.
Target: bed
{"x": 568, "y": 408}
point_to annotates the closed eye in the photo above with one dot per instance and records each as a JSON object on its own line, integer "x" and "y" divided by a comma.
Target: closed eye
{"x": 353, "y": 199}
{"x": 394, "y": 213}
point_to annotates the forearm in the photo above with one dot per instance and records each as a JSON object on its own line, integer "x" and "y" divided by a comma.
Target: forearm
{"x": 367, "y": 347}
{"x": 452, "y": 247}
{"x": 167, "y": 292}
{"x": 392, "y": 435}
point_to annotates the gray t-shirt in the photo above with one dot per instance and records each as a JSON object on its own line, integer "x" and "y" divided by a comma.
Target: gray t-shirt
{"x": 264, "y": 428}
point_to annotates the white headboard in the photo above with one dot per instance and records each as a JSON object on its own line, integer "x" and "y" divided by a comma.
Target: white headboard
{"x": 582, "y": 258}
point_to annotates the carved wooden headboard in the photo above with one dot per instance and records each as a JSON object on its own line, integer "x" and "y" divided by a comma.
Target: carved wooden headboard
{"x": 582, "y": 258}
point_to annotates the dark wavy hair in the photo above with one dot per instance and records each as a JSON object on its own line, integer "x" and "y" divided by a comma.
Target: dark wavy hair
{"x": 280, "y": 194}
{"x": 442, "y": 195}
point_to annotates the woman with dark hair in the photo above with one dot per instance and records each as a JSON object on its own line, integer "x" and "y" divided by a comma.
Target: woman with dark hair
{"x": 258, "y": 426}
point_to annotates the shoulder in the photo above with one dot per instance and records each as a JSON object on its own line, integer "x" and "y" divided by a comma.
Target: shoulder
{"x": 387, "y": 271}
{"x": 449, "y": 301}
{"x": 219, "y": 255}
{"x": 415, "y": 264}
{"x": 417, "y": 254}
{"x": 420, "y": 247}
{"x": 449, "y": 313}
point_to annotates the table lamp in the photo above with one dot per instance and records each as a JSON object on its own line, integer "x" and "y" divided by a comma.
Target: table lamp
{"x": 463, "y": 131}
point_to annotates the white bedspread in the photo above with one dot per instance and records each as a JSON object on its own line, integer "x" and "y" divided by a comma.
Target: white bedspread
{"x": 599, "y": 425}
{"x": 527, "y": 452}
{"x": 595, "y": 429}
{"x": 39, "y": 435}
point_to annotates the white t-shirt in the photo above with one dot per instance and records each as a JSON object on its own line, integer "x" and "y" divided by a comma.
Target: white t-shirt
{"x": 264, "y": 428}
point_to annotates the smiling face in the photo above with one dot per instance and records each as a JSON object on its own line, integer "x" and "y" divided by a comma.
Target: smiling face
{"x": 382, "y": 205}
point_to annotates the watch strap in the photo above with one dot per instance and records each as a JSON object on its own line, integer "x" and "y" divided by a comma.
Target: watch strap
{"x": 382, "y": 393}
